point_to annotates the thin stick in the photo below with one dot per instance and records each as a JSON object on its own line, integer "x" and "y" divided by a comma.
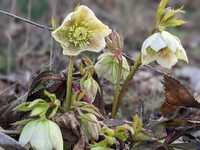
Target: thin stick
{"x": 68, "y": 100}
{"x": 26, "y": 20}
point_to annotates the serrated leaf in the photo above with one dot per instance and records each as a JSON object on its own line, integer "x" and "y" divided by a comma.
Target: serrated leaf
{"x": 161, "y": 10}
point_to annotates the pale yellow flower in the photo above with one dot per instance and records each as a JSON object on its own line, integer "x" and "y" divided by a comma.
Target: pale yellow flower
{"x": 81, "y": 31}
{"x": 164, "y": 48}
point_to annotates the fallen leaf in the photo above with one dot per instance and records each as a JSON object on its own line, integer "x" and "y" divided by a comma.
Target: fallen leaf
{"x": 176, "y": 96}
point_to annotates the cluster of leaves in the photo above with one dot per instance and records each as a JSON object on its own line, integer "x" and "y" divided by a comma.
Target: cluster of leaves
{"x": 77, "y": 93}
{"x": 130, "y": 134}
{"x": 167, "y": 17}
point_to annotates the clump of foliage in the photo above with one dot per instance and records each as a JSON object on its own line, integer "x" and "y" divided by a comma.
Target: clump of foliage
{"x": 74, "y": 101}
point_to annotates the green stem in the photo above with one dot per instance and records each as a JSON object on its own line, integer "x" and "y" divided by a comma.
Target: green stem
{"x": 117, "y": 89}
{"x": 68, "y": 99}
{"x": 123, "y": 90}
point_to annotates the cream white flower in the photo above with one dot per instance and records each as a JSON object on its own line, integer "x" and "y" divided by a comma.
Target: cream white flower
{"x": 81, "y": 31}
{"x": 164, "y": 48}
{"x": 42, "y": 134}
{"x": 108, "y": 67}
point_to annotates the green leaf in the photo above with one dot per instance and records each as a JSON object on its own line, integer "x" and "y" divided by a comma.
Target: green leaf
{"x": 51, "y": 96}
{"x": 36, "y": 102}
{"x": 23, "y": 107}
{"x": 107, "y": 131}
{"x": 40, "y": 109}
{"x": 121, "y": 133}
{"x": 161, "y": 10}
{"x": 171, "y": 13}
{"x": 168, "y": 15}
{"x": 137, "y": 124}
{"x": 22, "y": 122}
{"x": 104, "y": 144}
{"x": 174, "y": 23}
{"x": 55, "y": 109}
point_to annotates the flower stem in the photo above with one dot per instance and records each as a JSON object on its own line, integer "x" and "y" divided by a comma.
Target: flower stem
{"x": 123, "y": 90}
{"x": 117, "y": 89}
{"x": 68, "y": 99}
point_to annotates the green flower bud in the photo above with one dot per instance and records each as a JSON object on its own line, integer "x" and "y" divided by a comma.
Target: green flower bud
{"x": 108, "y": 67}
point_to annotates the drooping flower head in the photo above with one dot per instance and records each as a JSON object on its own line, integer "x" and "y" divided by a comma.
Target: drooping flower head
{"x": 164, "y": 48}
{"x": 108, "y": 67}
{"x": 81, "y": 31}
{"x": 90, "y": 88}
{"x": 42, "y": 134}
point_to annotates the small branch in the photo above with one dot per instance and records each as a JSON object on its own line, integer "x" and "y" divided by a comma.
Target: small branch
{"x": 117, "y": 90}
{"x": 68, "y": 100}
{"x": 26, "y": 20}
{"x": 123, "y": 90}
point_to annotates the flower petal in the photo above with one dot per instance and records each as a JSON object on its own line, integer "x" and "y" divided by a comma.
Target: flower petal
{"x": 149, "y": 57}
{"x": 167, "y": 61}
{"x": 96, "y": 44}
{"x": 81, "y": 13}
{"x": 40, "y": 139}
{"x": 70, "y": 51}
{"x": 55, "y": 135}
{"x": 155, "y": 41}
{"x": 180, "y": 52}
{"x": 94, "y": 24}
{"x": 126, "y": 68}
{"x": 170, "y": 40}
{"x": 27, "y": 132}
{"x": 58, "y": 33}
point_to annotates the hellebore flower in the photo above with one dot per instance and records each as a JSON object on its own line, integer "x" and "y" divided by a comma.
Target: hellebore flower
{"x": 108, "y": 67}
{"x": 164, "y": 48}
{"x": 81, "y": 31}
{"x": 42, "y": 134}
{"x": 90, "y": 88}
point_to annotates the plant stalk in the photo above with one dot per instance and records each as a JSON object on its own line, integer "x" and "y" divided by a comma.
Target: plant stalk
{"x": 68, "y": 98}
{"x": 123, "y": 90}
{"x": 117, "y": 90}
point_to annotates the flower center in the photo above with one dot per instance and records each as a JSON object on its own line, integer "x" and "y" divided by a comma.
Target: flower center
{"x": 78, "y": 35}
{"x": 164, "y": 52}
